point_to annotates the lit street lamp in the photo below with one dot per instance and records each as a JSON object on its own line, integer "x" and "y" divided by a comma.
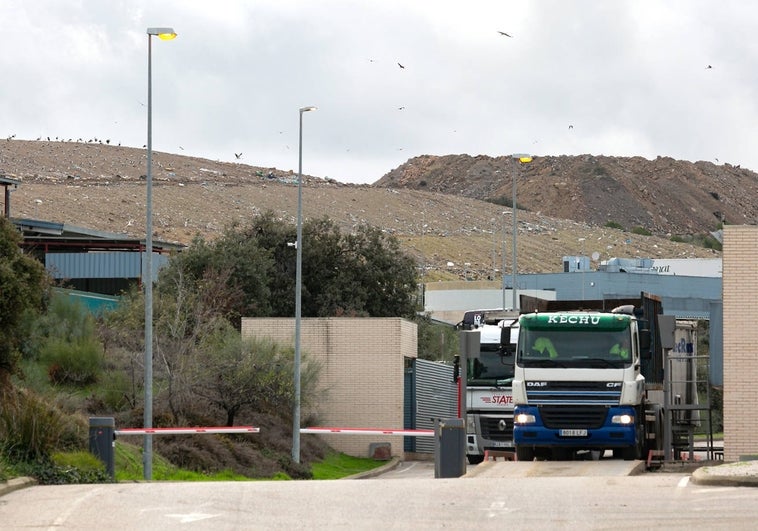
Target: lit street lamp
{"x": 298, "y": 293}
{"x": 147, "y": 454}
{"x": 522, "y": 159}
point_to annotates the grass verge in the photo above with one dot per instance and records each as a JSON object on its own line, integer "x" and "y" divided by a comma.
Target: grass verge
{"x": 338, "y": 466}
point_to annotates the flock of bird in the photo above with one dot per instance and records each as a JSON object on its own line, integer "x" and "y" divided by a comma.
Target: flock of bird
{"x": 238, "y": 156}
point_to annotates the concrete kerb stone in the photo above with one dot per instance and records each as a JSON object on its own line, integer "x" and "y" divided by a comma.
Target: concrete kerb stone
{"x": 737, "y": 474}
{"x": 9, "y": 486}
{"x": 390, "y": 465}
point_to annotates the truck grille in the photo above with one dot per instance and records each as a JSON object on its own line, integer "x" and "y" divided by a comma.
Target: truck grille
{"x": 491, "y": 428}
{"x": 589, "y": 417}
{"x": 590, "y": 393}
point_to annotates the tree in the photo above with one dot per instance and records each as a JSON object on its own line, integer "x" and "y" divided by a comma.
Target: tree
{"x": 23, "y": 284}
{"x": 245, "y": 266}
{"x": 364, "y": 273}
{"x": 257, "y": 373}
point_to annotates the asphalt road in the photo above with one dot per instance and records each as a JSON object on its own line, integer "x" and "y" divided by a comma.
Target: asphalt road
{"x": 564, "y": 498}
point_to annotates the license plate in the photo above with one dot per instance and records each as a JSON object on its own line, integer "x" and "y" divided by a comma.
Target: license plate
{"x": 499, "y": 444}
{"x": 573, "y": 433}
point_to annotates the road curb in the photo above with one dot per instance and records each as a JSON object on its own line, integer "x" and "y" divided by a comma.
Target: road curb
{"x": 391, "y": 465}
{"x": 738, "y": 474}
{"x": 9, "y": 486}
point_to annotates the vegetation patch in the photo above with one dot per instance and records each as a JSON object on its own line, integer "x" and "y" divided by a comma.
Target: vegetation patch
{"x": 614, "y": 225}
{"x": 642, "y": 231}
{"x": 338, "y": 465}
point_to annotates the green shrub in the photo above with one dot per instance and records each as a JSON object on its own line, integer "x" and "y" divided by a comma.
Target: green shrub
{"x": 75, "y": 467}
{"x": 65, "y": 469}
{"x": 30, "y": 429}
{"x": 642, "y": 231}
{"x": 75, "y": 362}
{"x": 614, "y": 225}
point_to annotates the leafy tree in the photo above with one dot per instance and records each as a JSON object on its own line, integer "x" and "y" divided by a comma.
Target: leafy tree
{"x": 361, "y": 274}
{"x": 23, "y": 283}
{"x": 236, "y": 373}
{"x": 245, "y": 266}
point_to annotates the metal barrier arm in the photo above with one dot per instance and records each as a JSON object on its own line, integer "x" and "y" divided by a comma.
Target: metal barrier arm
{"x": 186, "y": 431}
{"x": 368, "y": 431}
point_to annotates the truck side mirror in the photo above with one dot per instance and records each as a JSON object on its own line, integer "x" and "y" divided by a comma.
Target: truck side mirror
{"x": 506, "y": 347}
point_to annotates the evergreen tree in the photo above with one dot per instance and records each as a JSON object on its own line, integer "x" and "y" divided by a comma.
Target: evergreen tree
{"x": 23, "y": 283}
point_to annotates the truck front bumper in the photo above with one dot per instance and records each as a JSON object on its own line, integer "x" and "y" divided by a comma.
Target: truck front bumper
{"x": 617, "y": 431}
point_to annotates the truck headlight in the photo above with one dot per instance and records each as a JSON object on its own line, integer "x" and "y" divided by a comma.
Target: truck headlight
{"x": 624, "y": 420}
{"x": 524, "y": 418}
{"x": 470, "y": 424}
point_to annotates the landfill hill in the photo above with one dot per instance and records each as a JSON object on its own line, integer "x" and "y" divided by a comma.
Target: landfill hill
{"x": 451, "y": 212}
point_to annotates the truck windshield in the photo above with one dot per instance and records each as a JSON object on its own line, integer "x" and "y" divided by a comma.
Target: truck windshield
{"x": 575, "y": 347}
{"x": 491, "y": 368}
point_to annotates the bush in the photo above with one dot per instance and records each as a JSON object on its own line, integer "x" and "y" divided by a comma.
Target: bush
{"x": 75, "y": 362}
{"x": 30, "y": 429}
{"x": 73, "y": 467}
{"x": 642, "y": 231}
{"x": 614, "y": 225}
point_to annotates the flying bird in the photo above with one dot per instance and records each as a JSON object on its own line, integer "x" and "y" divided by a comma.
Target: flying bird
{"x": 401, "y": 66}
{"x": 238, "y": 155}
{"x": 504, "y": 33}
{"x": 708, "y": 67}
{"x": 571, "y": 126}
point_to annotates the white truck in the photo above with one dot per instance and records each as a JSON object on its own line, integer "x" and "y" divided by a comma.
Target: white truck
{"x": 489, "y": 372}
{"x": 603, "y": 380}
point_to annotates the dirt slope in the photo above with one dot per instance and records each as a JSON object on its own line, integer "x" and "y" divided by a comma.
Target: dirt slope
{"x": 664, "y": 195}
{"x": 434, "y": 205}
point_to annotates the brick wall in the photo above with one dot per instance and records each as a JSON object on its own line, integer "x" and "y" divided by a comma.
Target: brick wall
{"x": 740, "y": 299}
{"x": 362, "y": 372}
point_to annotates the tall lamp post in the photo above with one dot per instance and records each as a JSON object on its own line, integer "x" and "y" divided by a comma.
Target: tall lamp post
{"x": 521, "y": 158}
{"x": 147, "y": 454}
{"x": 502, "y": 257}
{"x": 298, "y": 291}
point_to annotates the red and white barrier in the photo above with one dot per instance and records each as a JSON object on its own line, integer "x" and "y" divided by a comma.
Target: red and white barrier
{"x": 186, "y": 431}
{"x": 368, "y": 431}
{"x": 251, "y": 429}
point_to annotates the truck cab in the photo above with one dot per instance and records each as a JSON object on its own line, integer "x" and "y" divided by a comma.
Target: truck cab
{"x": 489, "y": 400}
{"x": 577, "y": 384}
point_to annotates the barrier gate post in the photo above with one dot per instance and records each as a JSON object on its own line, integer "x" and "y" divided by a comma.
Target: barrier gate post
{"x": 450, "y": 448}
{"x": 102, "y": 440}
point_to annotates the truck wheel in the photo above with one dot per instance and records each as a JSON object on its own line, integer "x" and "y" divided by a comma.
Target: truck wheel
{"x": 634, "y": 453}
{"x": 474, "y": 459}
{"x": 524, "y": 453}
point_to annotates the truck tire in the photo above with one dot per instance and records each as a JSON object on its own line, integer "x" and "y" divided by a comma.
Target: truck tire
{"x": 524, "y": 453}
{"x": 634, "y": 453}
{"x": 474, "y": 459}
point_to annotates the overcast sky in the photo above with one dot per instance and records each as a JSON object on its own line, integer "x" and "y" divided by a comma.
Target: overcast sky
{"x": 674, "y": 78}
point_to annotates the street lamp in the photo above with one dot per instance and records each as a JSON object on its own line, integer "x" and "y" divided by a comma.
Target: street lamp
{"x": 147, "y": 454}
{"x": 522, "y": 159}
{"x": 298, "y": 292}
{"x": 502, "y": 257}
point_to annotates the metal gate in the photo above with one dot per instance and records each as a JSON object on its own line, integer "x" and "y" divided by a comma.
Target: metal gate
{"x": 430, "y": 393}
